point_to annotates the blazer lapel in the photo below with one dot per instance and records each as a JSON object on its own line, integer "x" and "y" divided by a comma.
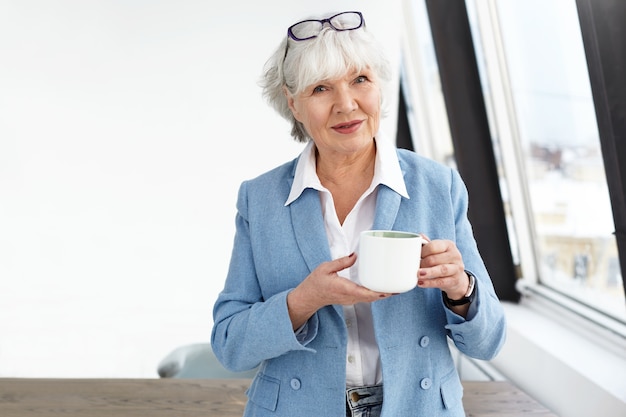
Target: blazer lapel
{"x": 308, "y": 226}
{"x": 387, "y": 206}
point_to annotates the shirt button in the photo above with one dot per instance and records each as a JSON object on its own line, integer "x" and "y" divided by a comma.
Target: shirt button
{"x": 295, "y": 384}
{"x": 424, "y": 341}
{"x": 350, "y": 358}
{"x": 348, "y": 323}
{"x": 426, "y": 383}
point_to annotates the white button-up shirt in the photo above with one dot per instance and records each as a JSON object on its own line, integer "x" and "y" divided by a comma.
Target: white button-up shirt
{"x": 363, "y": 357}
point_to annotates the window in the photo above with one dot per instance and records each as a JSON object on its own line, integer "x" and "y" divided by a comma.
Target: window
{"x": 541, "y": 113}
{"x": 421, "y": 85}
{"x": 537, "y": 85}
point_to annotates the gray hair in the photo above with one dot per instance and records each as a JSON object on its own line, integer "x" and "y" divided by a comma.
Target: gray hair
{"x": 296, "y": 65}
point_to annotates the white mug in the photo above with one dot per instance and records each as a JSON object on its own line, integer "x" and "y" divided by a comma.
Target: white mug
{"x": 389, "y": 260}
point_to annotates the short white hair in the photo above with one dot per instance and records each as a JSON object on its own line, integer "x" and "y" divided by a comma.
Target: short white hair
{"x": 296, "y": 65}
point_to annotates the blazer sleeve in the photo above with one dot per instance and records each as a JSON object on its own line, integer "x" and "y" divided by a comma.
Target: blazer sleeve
{"x": 249, "y": 329}
{"x": 482, "y": 334}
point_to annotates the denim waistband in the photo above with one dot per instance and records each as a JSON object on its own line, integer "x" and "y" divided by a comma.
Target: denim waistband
{"x": 358, "y": 398}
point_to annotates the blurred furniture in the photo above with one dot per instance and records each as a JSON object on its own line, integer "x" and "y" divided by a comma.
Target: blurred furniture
{"x": 196, "y": 361}
{"x": 200, "y": 398}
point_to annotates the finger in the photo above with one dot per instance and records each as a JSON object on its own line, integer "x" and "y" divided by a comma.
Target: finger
{"x": 353, "y": 293}
{"x": 441, "y": 252}
{"x": 437, "y": 246}
{"x": 347, "y": 261}
{"x": 437, "y": 282}
{"x": 440, "y": 271}
{"x": 371, "y": 296}
{"x": 432, "y": 248}
{"x": 342, "y": 263}
{"x": 435, "y": 260}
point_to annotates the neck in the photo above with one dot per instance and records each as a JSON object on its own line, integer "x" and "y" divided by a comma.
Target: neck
{"x": 346, "y": 169}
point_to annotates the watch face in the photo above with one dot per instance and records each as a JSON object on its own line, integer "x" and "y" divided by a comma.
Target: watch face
{"x": 472, "y": 284}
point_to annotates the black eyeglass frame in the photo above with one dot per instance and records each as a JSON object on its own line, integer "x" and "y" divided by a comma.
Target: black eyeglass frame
{"x": 291, "y": 35}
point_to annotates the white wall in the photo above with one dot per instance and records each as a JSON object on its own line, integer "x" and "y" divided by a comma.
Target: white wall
{"x": 125, "y": 130}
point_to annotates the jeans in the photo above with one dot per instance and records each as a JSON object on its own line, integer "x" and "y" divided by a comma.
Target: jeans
{"x": 364, "y": 401}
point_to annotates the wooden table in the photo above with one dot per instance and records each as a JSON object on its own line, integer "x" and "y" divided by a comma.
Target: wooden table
{"x": 200, "y": 397}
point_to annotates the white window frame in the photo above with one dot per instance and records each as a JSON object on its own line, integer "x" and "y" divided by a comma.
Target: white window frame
{"x": 503, "y": 115}
{"x": 428, "y": 134}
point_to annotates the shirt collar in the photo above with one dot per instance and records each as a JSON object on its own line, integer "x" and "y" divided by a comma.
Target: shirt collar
{"x": 387, "y": 170}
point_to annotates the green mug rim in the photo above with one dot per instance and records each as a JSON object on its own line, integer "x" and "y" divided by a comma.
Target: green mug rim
{"x": 391, "y": 234}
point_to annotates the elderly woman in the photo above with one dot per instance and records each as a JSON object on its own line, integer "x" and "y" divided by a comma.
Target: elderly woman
{"x": 292, "y": 305}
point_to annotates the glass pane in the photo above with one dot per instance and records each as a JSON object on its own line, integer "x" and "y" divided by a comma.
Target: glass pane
{"x": 422, "y": 88}
{"x": 576, "y": 248}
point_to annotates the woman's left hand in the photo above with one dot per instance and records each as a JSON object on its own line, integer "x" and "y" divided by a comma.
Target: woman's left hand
{"x": 442, "y": 267}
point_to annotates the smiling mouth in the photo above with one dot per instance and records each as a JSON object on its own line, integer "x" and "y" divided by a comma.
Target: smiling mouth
{"x": 348, "y": 126}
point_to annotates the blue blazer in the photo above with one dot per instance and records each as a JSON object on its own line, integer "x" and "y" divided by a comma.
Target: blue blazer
{"x": 276, "y": 247}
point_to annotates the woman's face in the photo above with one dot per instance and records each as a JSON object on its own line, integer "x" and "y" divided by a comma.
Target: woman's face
{"x": 341, "y": 115}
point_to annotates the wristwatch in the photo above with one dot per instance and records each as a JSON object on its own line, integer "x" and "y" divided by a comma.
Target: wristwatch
{"x": 467, "y": 298}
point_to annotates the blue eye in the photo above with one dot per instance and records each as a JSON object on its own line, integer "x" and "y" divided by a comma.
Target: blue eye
{"x": 360, "y": 79}
{"x": 319, "y": 89}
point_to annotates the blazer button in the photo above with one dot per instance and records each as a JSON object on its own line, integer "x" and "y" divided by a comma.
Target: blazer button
{"x": 424, "y": 341}
{"x": 426, "y": 383}
{"x": 295, "y": 384}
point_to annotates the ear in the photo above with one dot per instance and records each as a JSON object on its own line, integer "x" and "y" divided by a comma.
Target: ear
{"x": 290, "y": 103}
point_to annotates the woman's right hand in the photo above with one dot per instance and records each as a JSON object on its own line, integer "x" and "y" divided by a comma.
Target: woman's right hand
{"x": 325, "y": 287}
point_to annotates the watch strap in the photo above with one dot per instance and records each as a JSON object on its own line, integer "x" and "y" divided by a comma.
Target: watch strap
{"x": 467, "y": 298}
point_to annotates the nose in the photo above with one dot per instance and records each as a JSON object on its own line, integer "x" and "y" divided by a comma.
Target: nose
{"x": 345, "y": 102}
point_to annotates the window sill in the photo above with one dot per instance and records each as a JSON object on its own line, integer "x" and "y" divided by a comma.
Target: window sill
{"x": 573, "y": 367}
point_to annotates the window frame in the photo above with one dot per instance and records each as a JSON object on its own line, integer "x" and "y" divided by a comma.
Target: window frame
{"x": 502, "y": 116}
{"x": 471, "y": 134}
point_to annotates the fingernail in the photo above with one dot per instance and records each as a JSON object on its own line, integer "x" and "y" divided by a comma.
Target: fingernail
{"x": 351, "y": 255}
{"x": 420, "y": 282}
{"x": 422, "y": 273}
